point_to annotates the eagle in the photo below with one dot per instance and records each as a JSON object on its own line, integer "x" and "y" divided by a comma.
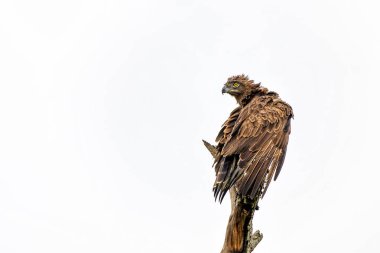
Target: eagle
{"x": 251, "y": 145}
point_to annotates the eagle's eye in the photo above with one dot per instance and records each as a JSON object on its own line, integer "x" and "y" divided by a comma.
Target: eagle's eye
{"x": 236, "y": 85}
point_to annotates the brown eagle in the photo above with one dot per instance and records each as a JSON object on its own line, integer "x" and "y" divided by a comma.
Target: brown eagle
{"x": 251, "y": 145}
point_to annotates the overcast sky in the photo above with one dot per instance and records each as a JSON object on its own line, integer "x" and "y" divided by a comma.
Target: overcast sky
{"x": 103, "y": 105}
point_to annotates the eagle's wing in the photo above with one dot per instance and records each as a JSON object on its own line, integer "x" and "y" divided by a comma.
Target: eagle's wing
{"x": 228, "y": 126}
{"x": 253, "y": 149}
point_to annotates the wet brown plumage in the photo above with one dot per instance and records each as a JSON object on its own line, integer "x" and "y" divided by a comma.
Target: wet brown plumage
{"x": 251, "y": 146}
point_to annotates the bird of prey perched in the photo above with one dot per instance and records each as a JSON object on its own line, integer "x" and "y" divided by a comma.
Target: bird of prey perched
{"x": 251, "y": 145}
{"x": 250, "y": 150}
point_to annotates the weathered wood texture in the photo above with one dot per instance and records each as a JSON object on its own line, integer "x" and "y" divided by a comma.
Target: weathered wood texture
{"x": 239, "y": 237}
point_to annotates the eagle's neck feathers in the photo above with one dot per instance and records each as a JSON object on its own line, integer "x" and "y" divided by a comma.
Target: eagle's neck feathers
{"x": 249, "y": 94}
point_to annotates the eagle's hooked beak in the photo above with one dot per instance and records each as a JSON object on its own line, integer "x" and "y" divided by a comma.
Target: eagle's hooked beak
{"x": 225, "y": 90}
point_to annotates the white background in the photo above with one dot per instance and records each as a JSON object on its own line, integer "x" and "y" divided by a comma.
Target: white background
{"x": 103, "y": 105}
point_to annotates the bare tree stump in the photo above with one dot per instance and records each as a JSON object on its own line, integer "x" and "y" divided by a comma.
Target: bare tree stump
{"x": 239, "y": 237}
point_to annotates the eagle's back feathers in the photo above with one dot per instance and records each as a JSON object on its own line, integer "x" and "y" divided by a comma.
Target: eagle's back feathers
{"x": 252, "y": 146}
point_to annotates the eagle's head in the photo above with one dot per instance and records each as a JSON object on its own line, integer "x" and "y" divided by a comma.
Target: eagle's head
{"x": 240, "y": 87}
{"x": 237, "y": 85}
